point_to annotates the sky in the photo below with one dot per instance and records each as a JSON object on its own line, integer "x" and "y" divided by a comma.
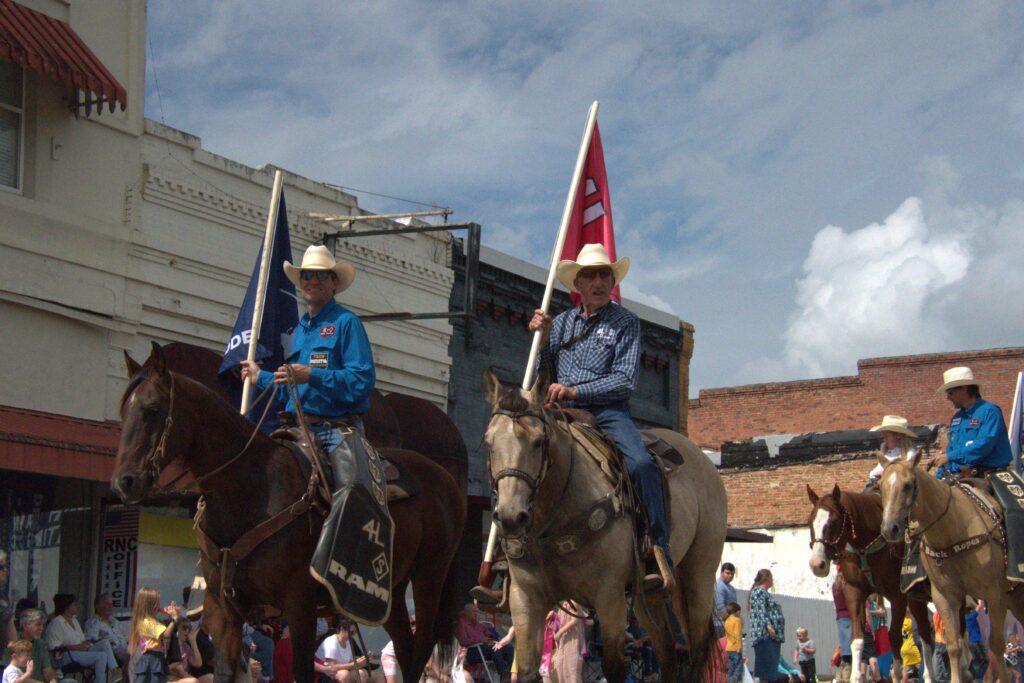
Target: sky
{"x": 806, "y": 183}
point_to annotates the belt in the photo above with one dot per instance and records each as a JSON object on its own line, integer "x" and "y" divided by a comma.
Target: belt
{"x": 339, "y": 421}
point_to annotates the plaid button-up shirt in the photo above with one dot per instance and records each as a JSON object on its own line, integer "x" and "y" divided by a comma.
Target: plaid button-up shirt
{"x": 603, "y": 365}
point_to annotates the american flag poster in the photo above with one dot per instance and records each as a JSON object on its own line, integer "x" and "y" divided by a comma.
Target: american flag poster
{"x": 118, "y": 558}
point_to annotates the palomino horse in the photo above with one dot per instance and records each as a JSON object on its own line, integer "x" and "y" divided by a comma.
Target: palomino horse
{"x": 846, "y": 528}
{"x": 546, "y": 487}
{"x": 944, "y": 516}
{"x": 167, "y": 417}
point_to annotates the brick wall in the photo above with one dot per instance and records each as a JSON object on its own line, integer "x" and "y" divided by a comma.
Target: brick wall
{"x": 777, "y": 497}
{"x": 901, "y": 385}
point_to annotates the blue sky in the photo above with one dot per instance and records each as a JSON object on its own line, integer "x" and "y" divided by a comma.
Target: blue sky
{"x": 807, "y": 183}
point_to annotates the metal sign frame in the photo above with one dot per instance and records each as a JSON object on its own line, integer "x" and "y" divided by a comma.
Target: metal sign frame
{"x": 472, "y": 249}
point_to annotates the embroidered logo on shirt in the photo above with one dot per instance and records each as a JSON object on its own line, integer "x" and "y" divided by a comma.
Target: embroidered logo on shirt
{"x": 975, "y": 422}
{"x": 327, "y": 331}
{"x": 604, "y": 333}
{"x": 954, "y": 422}
{"x": 318, "y": 360}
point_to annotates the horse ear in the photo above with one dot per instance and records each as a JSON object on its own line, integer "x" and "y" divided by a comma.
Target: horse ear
{"x": 133, "y": 367}
{"x": 914, "y": 456}
{"x": 836, "y": 493}
{"x": 159, "y": 362}
{"x": 812, "y": 495}
{"x": 492, "y": 386}
{"x": 539, "y": 391}
{"x": 882, "y": 460}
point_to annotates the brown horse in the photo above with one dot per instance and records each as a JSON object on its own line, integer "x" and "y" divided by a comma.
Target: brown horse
{"x": 846, "y": 528}
{"x": 167, "y": 417}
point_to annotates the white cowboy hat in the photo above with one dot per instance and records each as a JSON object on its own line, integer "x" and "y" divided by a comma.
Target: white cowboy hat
{"x": 319, "y": 257}
{"x": 590, "y": 256}
{"x": 894, "y": 423}
{"x": 957, "y": 377}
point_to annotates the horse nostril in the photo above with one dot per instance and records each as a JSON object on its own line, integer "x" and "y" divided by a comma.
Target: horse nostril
{"x": 522, "y": 518}
{"x": 125, "y": 482}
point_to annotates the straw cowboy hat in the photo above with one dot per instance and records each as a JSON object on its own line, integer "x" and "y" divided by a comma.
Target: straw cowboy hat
{"x": 957, "y": 377}
{"x": 590, "y": 256}
{"x": 895, "y": 423}
{"x": 319, "y": 257}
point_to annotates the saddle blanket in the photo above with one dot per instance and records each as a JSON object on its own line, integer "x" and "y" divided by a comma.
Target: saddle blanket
{"x": 912, "y": 576}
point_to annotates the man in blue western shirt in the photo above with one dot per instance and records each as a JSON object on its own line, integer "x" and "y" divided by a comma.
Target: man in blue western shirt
{"x": 332, "y": 366}
{"x": 330, "y": 359}
{"x": 977, "y": 433}
{"x": 592, "y": 354}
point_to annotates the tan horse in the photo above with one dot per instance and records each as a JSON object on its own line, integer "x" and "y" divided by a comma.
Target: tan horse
{"x": 545, "y": 482}
{"x": 945, "y": 517}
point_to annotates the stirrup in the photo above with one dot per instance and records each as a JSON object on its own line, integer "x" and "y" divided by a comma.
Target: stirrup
{"x": 492, "y": 600}
{"x": 663, "y": 580}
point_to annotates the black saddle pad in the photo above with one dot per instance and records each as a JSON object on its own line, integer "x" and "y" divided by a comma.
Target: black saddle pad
{"x": 912, "y": 577}
{"x": 1008, "y": 488}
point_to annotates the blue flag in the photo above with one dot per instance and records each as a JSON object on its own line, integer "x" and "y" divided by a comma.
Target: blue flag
{"x": 280, "y": 316}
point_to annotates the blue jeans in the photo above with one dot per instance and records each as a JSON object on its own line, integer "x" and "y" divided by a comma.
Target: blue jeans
{"x": 940, "y": 663}
{"x": 845, "y": 628}
{"x": 735, "y": 665}
{"x": 99, "y": 658}
{"x": 643, "y": 471}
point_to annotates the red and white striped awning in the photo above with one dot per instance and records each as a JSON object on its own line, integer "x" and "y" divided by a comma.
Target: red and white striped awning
{"x": 49, "y": 46}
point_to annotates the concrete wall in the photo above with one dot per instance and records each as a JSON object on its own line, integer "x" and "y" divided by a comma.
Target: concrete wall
{"x": 901, "y": 385}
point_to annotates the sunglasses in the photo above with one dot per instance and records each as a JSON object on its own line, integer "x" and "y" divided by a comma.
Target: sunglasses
{"x": 321, "y": 275}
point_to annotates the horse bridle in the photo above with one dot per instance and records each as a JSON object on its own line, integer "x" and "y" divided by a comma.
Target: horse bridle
{"x": 533, "y": 481}
{"x": 154, "y": 460}
{"x": 832, "y": 546}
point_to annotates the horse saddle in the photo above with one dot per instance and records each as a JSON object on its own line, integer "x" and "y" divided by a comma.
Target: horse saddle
{"x": 401, "y": 484}
{"x": 664, "y": 453}
{"x": 1007, "y": 487}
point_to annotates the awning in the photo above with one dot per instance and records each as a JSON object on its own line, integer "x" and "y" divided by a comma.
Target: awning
{"x": 44, "y": 443}
{"x": 48, "y": 46}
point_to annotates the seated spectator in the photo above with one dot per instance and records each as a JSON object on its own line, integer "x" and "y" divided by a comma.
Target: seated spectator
{"x": 102, "y": 625}
{"x": 194, "y": 655}
{"x": 283, "y": 656}
{"x": 479, "y": 640}
{"x": 7, "y": 631}
{"x": 32, "y": 622}
{"x": 261, "y": 648}
{"x": 335, "y": 659}
{"x": 65, "y": 637}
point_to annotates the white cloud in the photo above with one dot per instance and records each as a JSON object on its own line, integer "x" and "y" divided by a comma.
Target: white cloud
{"x": 935, "y": 275}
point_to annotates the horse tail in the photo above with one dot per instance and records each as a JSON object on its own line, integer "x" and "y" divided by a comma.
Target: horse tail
{"x": 447, "y": 614}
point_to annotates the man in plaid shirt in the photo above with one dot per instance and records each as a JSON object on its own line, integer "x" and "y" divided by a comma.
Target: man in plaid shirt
{"x": 592, "y": 355}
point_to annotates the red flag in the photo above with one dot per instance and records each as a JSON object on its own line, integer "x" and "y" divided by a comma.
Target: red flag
{"x": 591, "y": 219}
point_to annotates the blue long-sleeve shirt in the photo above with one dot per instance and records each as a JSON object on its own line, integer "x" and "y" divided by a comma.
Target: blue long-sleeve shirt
{"x": 603, "y": 366}
{"x": 977, "y": 438}
{"x": 334, "y": 345}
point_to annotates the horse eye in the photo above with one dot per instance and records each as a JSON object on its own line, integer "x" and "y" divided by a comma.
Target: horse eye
{"x": 537, "y": 443}
{"x": 906, "y": 487}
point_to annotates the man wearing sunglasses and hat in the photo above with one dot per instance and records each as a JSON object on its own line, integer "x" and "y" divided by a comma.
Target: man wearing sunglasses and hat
{"x": 978, "y": 442}
{"x": 331, "y": 365}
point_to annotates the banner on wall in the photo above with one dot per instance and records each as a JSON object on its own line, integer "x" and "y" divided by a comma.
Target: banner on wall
{"x": 119, "y": 557}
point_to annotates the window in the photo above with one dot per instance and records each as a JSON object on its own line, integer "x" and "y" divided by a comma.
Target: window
{"x": 12, "y": 114}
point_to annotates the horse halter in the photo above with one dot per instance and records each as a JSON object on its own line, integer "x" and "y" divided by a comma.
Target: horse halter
{"x": 154, "y": 460}
{"x": 832, "y": 549}
{"x": 533, "y": 481}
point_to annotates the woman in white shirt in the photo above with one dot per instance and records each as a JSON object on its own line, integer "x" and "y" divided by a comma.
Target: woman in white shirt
{"x": 64, "y": 635}
{"x": 897, "y": 442}
{"x": 335, "y": 659}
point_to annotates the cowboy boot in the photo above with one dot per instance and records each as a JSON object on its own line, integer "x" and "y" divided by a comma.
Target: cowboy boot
{"x": 659, "y": 577}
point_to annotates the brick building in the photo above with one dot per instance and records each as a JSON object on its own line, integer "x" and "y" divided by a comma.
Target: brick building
{"x": 508, "y": 290}
{"x": 774, "y": 439}
{"x": 901, "y": 385}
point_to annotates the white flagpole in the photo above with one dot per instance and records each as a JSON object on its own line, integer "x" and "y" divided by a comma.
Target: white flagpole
{"x": 1015, "y": 421}
{"x": 556, "y": 255}
{"x": 261, "y": 285}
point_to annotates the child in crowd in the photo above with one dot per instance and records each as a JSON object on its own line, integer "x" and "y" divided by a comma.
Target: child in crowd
{"x": 804, "y": 655}
{"x": 148, "y": 638}
{"x": 733, "y": 627}
{"x": 909, "y": 653}
{"x": 20, "y": 668}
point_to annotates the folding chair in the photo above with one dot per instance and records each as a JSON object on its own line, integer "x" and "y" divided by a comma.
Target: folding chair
{"x": 488, "y": 667}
